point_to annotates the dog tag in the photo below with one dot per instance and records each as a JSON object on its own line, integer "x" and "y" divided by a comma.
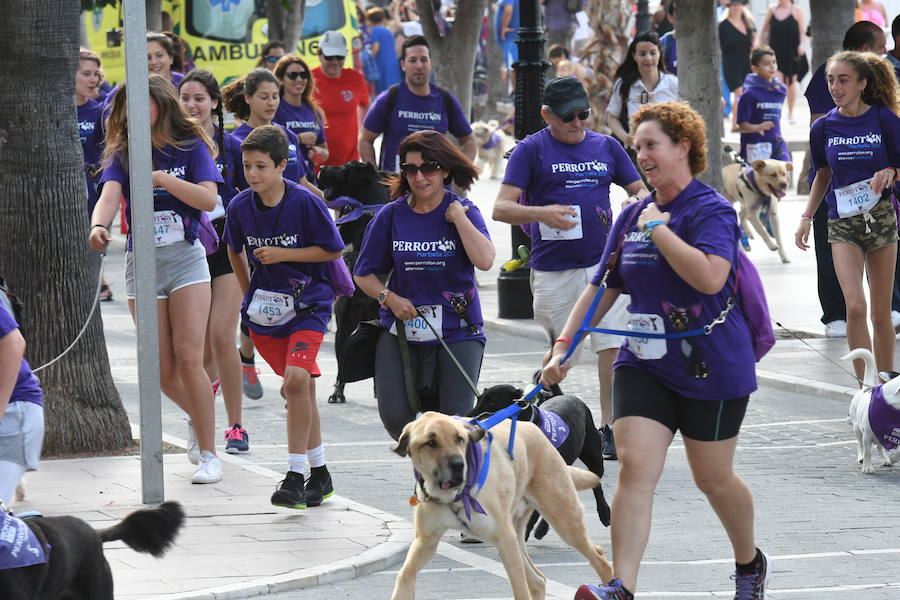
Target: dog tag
{"x": 646, "y": 348}
{"x": 760, "y": 151}
{"x": 417, "y": 330}
{"x": 856, "y": 198}
{"x": 413, "y": 501}
{"x": 575, "y": 233}
{"x": 270, "y": 308}
{"x": 169, "y": 228}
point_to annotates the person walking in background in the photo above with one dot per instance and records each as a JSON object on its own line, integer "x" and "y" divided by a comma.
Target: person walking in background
{"x": 299, "y": 112}
{"x": 784, "y": 31}
{"x": 270, "y": 54}
{"x": 381, "y": 46}
{"x": 737, "y": 33}
{"x": 759, "y": 110}
{"x": 869, "y": 10}
{"x": 506, "y": 29}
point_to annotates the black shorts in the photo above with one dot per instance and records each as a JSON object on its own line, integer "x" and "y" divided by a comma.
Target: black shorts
{"x": 218, "y": 261}
{"x": 636, "y": 393}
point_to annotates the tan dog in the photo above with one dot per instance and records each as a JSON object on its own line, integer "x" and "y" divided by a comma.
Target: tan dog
{"x": 767, "y": 178}
{"x": 492, "y": 145}
{"x": 537, "y": 478}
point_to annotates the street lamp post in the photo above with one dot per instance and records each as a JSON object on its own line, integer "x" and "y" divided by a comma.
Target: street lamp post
{"x": 513, "y": 288}
{"x": 642, "y": 19}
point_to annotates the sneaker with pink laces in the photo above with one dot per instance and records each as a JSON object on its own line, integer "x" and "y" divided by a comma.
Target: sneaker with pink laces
{"x": 252, "y": 387}
{"x": 237, "y": 441}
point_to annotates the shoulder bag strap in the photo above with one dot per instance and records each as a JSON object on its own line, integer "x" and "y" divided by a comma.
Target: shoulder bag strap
{"x": 412, "y": 397}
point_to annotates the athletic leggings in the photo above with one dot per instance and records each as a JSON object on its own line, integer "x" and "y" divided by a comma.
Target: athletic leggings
{"x": 432, "y": 369}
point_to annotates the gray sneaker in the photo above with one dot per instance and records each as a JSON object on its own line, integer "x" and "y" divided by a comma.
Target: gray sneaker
{"x": 252, "y": 387}
{"x": 609, "y": 443}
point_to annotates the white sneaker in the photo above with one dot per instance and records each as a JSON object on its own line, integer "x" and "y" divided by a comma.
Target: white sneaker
{"x": 836, "y": 329}
{"x": 210, "y": 470}
{"x": 895, "y": 318}
{"x": 193, "y": 448}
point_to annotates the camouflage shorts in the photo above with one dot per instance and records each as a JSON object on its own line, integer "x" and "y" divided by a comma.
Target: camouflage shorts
{"x": 852, "y": 230}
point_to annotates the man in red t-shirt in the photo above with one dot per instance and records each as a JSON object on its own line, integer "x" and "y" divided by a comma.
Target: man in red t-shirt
{"x": 343, "y": 95}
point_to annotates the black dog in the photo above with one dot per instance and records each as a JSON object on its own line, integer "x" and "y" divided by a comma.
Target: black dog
{"x": 361, "y": 182}
{"x": 583, "y": 441}
{"x": 76, "y": 568}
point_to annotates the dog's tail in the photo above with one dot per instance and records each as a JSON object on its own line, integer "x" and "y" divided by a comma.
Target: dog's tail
{"x": 583, "y": 480}
{"x": 869, "y": 359}
{"x": 151, "y": 530}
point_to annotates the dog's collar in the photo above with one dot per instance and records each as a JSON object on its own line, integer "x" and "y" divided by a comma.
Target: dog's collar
{"x": 884, "y": 419}
{"x": 748, "y": 176}
{"x": 492, "y": 142}
{"x": 478, "y": 463}
{"x": 357, "y": 208}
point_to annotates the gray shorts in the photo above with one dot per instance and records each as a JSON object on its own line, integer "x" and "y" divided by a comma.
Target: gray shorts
{"x": 178, "y": 265}
{"x": 22, "y": 434}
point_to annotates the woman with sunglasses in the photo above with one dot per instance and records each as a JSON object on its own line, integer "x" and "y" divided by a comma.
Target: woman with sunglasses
{"x": 430, "y": 240}
{"x": 640, "y": 79}
{"x": 299, "y": 111}
{"x": 270, "y": 54}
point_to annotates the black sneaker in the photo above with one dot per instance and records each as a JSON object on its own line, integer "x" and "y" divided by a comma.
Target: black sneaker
{"x": 753, "y": 585}
{"x": 290, "y": 494}
{"x": 609, "y": 443}
{"x": 319, "y": 486}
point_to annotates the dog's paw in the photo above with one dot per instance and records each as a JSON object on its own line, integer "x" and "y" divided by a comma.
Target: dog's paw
{"x": 886, "y": 462}
{"x": 868, "y": 469}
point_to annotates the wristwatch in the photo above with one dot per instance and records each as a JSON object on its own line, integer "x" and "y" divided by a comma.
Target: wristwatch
{"x": 382, "y": 296}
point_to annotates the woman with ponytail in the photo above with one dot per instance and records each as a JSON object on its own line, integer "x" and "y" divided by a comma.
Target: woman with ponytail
{"x": 856, "y": 148}
{"x": 201, "y": 98}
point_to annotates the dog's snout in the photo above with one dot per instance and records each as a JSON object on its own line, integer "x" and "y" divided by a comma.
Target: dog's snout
{"x": 456, "y": 464}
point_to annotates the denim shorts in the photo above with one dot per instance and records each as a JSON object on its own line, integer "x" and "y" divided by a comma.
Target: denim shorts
{"x": 178, "y": 265}
{"x": 22, "y": 434}
{"x": 882, "y": 227}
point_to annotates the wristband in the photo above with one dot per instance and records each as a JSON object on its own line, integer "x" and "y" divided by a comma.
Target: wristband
{"x": 806, "y": 217}
{"x": 96, "y": 225}
{"x": 563, "y": 339}
{"x": 648, "y": 226}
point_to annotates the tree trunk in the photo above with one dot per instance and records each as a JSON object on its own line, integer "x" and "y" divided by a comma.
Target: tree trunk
{"x": 453, "y": 57}
{"x": 604, "y": 52}
{"x": 285, "y": 21}
{"x": 44, "y": 227}
{"x": 698, "y": 77}
{"x": 497, "y": 91}
{"x": 154, "y": 15}
{"x": 829, "y": 20}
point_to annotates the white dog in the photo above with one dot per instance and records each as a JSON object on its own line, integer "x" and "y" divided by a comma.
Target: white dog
{"x": 492, "y": 145}
{"x": 876, "y": 422}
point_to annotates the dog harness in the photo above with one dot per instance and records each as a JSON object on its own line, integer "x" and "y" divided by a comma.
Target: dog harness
{"x": 884, "y": 420}
{"x": 552, "y": 425}
{"x": 492, "y": 142}
{"x": 358, "y": 209}
{"x": 748, "y": 176}
{"x": 19, "y": 547}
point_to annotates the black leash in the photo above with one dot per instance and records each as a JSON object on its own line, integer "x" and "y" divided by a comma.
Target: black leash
{"x": 449, "y": 353}
{"x": 835, "y": 363}
{"x": 411, "y": 396}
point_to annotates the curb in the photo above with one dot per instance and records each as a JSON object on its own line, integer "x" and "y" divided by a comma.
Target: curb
{"x": 376, "y": 558}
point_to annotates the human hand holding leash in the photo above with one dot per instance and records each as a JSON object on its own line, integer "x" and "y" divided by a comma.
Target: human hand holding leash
{"x": 99, "y": 237}
{"x": 554, "y": 372}
{"x": 402, "y": 308}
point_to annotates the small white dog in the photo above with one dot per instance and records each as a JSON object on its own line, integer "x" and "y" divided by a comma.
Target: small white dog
{"x": 492, "y": 145}
{"x": 875, "y": 415}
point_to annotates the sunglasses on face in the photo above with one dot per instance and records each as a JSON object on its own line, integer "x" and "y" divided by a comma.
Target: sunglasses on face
{"x": 426, "y": 168}
{"x": 331, "y": 58}
{"x": 581, "y": 115}
{"x": 272, "y": 59}
{"x": 292, "y": 75}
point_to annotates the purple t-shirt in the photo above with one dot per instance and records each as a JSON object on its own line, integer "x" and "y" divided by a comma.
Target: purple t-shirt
{"x": 553, "y": 172}
{"x": 817, "y": 94}
{"x": 295, "y": 167}
{"x": 230, "y": 163}
{"x": 91, "y": 136}
{"x": 762, "y": 101}
{"x": 301, "y": 119}
{"x": 556, "y": 16}
{"x": 430, "y": 268}
{"x": 412, "y": 113}
{"x": 661, "y": 300}
{"x": 300, "y": 220}
{"x": 192, "y": 162}
{"x": 855, "y": 147}
{"x": 27, "y": 388}
{"x": 670, "y": 47}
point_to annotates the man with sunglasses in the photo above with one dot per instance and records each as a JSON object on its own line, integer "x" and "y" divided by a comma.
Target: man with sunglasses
{"x": 564, "y": 172}
{"x": 343, "y": 95}
{"x": 414, "y": 104}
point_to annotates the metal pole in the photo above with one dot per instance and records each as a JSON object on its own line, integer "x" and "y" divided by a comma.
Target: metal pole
{"x": 514, "y": 289}
{"x": 143, "y": 242}
{"x": 642, "y": 19}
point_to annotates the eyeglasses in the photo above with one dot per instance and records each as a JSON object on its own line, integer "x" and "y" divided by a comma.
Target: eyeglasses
{"x": 273, "y": 59}
{"x": 582, "y": 116}
{"x": 331, "y": 58}
{"x": 427, "y": 168}
{"x": 292, "y": 75}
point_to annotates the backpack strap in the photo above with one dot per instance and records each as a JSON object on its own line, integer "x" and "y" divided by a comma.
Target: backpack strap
{"x": 391, "y": 103}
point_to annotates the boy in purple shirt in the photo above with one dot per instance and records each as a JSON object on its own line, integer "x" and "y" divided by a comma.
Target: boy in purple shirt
{"x": 289, "y": 237}
{"x": 759, "y": 110}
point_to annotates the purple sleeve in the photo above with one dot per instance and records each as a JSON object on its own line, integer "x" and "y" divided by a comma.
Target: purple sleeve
{"x": 716, "y": 232}
{"x": 113, "y": 171}
{"x": 234, "y": 234}
{"x": 202, "y": 165}
{"x": 7, "y": 322}
{"x": 320, "y": 139}
{"x": 236, "y": 162}
{"x": 376, "y": 116}
{"x": 319, "y": 225}
{"x": 375, "y": 255}
{"x": 817, "y": 144}
{"x": 476, "y": 217}
{"x": 745, "y": 109}
{"x": 625, "y": 173}
{"x": 626, "y": 219}
{"x": 518, "y": 168}
{"x": 297, "y": 171}
{"x": 457, "y": 123}
{"x": 891, "y": 124}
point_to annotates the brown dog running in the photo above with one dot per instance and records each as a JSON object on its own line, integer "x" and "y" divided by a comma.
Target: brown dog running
{"x": 757, "y": 187}
{"x": 444, "y": 454}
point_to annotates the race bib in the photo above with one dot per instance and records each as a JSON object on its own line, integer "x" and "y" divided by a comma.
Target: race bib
{"x": 856, "y": 198}
{"x": 575, "y": 233}
{"x": 646, "y": 348}
{"x": 417, "y": 330}
{"x": 760, "y": 151}
{"x": 169, "y": 227}
{"x": 270, "y": 309}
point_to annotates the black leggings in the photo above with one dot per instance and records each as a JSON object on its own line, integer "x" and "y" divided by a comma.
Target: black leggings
{"x": 433, "y": 372}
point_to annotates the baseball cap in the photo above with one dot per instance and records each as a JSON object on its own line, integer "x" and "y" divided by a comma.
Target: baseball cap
{"x": 333, "y": 43}
{"x": 564, "y": 95}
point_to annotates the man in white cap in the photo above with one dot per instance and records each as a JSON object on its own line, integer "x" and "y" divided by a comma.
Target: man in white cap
{"x": 344, "y": 97}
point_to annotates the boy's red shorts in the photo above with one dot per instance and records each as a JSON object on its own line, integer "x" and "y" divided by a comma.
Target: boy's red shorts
{"x": 300, "y": 349}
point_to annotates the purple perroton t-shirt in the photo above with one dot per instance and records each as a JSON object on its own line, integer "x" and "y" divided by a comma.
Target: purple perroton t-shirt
{"x": 296, "y": 168}
{"x": 412, "y": 113}
{"x": 231, "y": 166}
{"x": 27, "y": 388}
{"x": 762, "y": 101}
{"x": 300, "y": 220}
{"x": 91, "y": 136}
{"x": 660, "y": 299}
{"x": 430, "y": 266}
{"x": 192, "y": 163}
{"x": 552, "y": 172}
{"x": 855, "y": 147}
{"x": 300, "y": 119}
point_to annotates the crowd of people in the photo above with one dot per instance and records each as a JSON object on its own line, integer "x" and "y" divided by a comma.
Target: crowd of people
{"x": 245, "y": 242}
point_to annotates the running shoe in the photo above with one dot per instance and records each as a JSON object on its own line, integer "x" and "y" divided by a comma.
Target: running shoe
{"x": 237, "y": 440}
{"x": 614, "y": 590}
{"x": 216, "y": 388}
{"x": 753, "y": 586}
{"x": 318, "y": 487}
{"x": 290, "y": 493}
{"x": 210, "y": 470}
{"x": 609, "y": 443}
{"x": 105, "y": 293}
{"x": 252, "y": 387}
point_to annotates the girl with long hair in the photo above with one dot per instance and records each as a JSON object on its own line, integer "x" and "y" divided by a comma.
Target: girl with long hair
{"x": 299, "y": 111}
